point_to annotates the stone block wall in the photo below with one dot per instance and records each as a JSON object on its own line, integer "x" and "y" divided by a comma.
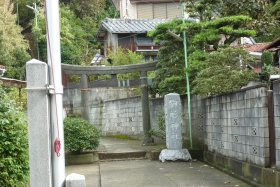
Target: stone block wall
{"x": 198, "y": 120}
{"x": 72, "y": 101}
{"x": 156, "y": 111}
{"x": 122, "y": 117}
{"x": 276, "y": 100}
{"x": 237, "y": 125}
{"x": 233, "y": 125}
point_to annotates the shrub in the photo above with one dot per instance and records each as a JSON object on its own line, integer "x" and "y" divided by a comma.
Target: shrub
{"x": 125, "y": 57}
{"x": 80, "y": 135}
{"x": 14, "y": 165}
{"x": 224, "y": 71}
{"x": 268, "y": 70}
{"x": 267, "y": 58}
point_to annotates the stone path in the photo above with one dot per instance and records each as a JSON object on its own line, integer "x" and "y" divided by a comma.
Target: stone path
{"x": 146, "y": 173}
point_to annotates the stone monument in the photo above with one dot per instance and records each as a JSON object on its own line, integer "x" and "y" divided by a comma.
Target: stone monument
{"x": 173, "y": 122}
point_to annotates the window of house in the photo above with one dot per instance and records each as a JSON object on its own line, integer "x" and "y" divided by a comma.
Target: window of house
{"x": 158, "y": 10}
{"x": 145, "y": 11}
{"x": 144, "y": 41}
{"x": 173, "y": 10}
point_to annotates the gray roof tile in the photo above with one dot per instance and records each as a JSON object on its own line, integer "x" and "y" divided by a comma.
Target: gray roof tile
{"x": 131, "y": 25}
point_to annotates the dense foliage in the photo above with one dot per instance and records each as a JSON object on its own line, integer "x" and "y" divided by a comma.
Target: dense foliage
{"x": 202, "y": 37}
{"x": 263, "y": 12}
{"x": 223, "y": 71}
{"x": 77, "y": 37}
{"x": 13, "y": 145}
{"x": 267, "y": 58}
{"x": 169, "y": 76}
{"x": 80, "y": 135}
{"x": 124, "y": 57}
{"x": 79, "y": 25}
{"x": 13, "y": 47}
{"x": 208, "y": 9}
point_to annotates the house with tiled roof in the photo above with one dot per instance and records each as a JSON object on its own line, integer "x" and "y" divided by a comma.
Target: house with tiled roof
{"x": 137, "y": 19}
{"x": 130, "y": 34}
{"x": 274, "y": 47}
{"x": 256, "y": 49}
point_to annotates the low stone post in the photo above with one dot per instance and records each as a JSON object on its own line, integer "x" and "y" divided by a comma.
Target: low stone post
{"x": 39, "y": 129}
{"x": 173, "y": 122}
{"x": 75, "y": 180}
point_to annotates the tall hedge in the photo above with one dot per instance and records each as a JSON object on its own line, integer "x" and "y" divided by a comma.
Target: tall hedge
{"x": 14, "y": 165}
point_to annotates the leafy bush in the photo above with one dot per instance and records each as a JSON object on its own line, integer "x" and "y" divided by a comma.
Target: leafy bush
{"x": 14, "y": 165}
{"x": 169, "y": 84}
{"x": 267, "y": 58}
{"x": 224, "y": 71}
{"x": 125, "y": 57}
{"x": 268, "y": 70}
{"x": 13, "y": 94}
{"x": 80, "y": 135}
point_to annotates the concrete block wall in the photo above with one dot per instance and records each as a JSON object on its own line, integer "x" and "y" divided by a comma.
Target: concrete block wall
{"x": 72, "y": 101}
{"x": 237, "y": 125}
{"x": 156, "y": 111}
{"x": 198, "y": 119}
{"x": 122, "y": 117}
{"x": 276, "y": 99}
{"x": 233, "y": 125}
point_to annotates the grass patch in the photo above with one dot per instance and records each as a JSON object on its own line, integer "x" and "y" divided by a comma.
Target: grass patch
{"x": 123, "y": 137}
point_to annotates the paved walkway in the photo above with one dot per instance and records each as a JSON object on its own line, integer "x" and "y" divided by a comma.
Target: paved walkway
{"x": 146, "y": 173}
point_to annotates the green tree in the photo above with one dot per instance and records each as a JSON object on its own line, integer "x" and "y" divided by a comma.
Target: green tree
{"x": 275, "y": 10}
{"x": 96, "y": 9}
{"x": 14, "y": 165}
{"x": 223, "y": 71}
{"x": 77, "y": 37}
{"x": 109, "y": 11}
{"x": 84, "y": 8}
{"x": 25, "y": 15}
{"x": 125, "y": 57}
{"x": 210, "y": 32}
{"x": 169, "y": 75}
{"x": 211, "y": 9}
{"x": 202, "y": 36}
{"x": 264, "y": 21}
{"x": 13, "y": 47}
{"x": 204, "y": 10}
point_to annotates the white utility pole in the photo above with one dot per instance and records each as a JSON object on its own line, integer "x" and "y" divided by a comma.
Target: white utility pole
{"x": 56, "y": 90}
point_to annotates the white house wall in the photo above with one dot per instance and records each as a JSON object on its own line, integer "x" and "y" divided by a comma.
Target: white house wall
{"x": 149, "y": 10}
{"x": 131, "y": 9}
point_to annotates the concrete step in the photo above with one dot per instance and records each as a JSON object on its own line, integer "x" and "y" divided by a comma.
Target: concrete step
{"x": 103, "y": 156}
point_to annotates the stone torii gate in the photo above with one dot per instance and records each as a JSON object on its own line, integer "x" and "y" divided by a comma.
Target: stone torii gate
{"x": 85, "y": 71}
